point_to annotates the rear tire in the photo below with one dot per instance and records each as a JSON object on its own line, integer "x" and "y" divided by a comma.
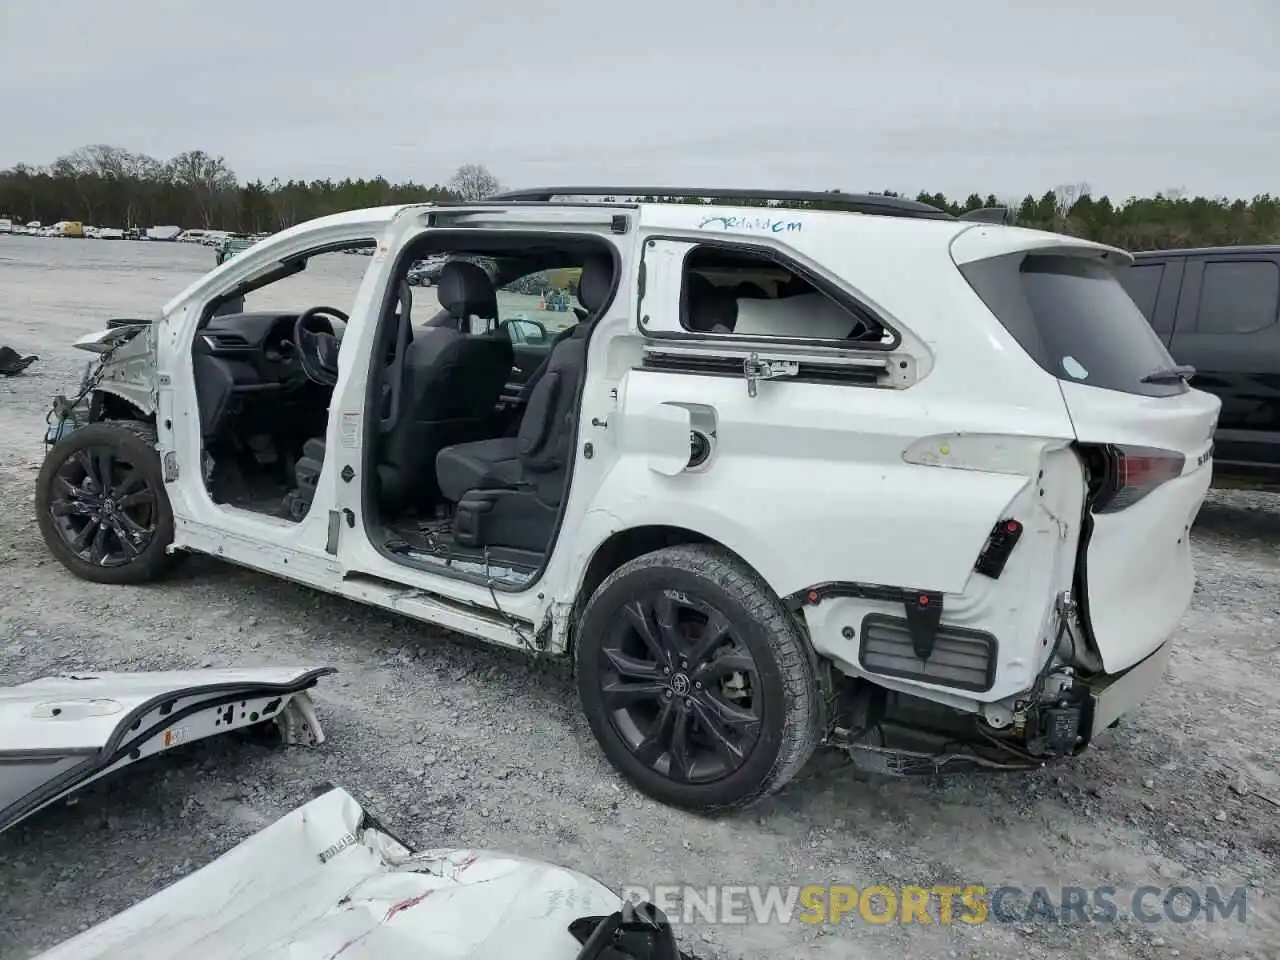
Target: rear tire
{"x": 719, "y": 707}
{"x": 122, "y": 535}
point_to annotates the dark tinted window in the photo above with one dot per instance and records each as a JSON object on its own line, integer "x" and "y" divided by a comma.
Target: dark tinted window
{"x": 1075, "y": 319}
{"x": 1238, "y": 296}
{"x": 1143, "y": 283}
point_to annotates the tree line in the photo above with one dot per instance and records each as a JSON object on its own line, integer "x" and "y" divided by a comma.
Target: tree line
{"x": 112, "y": 187}
{"x": 109, "y": 186}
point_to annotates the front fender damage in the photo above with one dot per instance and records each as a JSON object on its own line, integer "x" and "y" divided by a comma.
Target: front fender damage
{"x": 127, "y": 365}
{"x": 125, "y": 368}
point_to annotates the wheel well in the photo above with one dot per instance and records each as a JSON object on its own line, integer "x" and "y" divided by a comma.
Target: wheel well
{"x": 112, "y": 407}
{"x": 626, "y": 545}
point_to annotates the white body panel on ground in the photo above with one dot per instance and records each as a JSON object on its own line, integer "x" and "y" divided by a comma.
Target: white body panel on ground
{"x": 318, "y": 884}
{"x": 58, "y": 734}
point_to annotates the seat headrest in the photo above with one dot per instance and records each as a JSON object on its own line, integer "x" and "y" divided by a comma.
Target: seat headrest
{"x": 596, "y": 283}
{"x": 705, "y": 305}
{"x": 465, "y": 290}
{"x": 747, "y": 290}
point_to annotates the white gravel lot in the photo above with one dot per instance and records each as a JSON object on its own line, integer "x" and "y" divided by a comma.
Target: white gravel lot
{"x": 458, "y": 744}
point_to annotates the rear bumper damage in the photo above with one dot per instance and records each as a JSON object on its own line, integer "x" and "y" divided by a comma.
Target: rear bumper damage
{"x": 1071, "y": 702}
{"x": 1112, "y": 696}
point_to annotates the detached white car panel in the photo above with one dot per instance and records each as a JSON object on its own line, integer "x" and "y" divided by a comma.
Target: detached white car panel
{"x": 322, "y": 883}
{"x": 58, "y": 734}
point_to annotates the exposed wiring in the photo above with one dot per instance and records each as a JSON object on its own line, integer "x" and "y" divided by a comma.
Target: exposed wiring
{"x": 88, "y": 383}
{"x": 511, "y": 621}
{"x": 1038, "y": 688}
{"x": 1008, "y": 748}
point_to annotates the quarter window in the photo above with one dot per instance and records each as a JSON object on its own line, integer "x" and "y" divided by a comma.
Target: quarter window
{"x": 728, "y": 291}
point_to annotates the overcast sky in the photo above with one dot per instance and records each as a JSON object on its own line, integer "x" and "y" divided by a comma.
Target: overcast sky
{"x": 994, "y": 96}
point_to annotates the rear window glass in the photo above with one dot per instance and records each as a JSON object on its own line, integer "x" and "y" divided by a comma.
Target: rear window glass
{"x": 1143, "y": 283}
{"x": 1075, "y": 320}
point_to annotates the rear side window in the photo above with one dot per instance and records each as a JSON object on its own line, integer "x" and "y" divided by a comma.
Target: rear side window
{"x": 733, "y": 291}
{"x": 1238, "y": 296}
{"x": 1143, "y": 283}
{"x": 1072, "y": 316}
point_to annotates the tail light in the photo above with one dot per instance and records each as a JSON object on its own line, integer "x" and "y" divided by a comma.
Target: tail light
{"x": 1130, "y": 473}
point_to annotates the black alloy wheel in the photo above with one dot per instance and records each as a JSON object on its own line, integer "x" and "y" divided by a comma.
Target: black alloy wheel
{"x": 698, "y": 684}
{"x": 103, "y": 506}
{"x": 679, "y": 687}
{"x": 101, "y": 503}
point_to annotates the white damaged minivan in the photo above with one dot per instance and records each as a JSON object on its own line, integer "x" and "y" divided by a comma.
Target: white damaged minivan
{"x": 851, "y": 471}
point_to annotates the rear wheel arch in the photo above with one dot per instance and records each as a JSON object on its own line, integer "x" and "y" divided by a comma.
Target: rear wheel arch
{"x": 623, "y": 546}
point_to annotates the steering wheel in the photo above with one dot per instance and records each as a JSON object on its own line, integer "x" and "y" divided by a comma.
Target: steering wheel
{"x": 317, "y": 344}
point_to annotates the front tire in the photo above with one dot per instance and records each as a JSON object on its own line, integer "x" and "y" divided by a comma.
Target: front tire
{"x": 102, "y": 506}
{"x": 696, "y": 681}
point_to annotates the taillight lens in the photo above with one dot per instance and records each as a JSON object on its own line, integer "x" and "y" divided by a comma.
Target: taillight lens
{"x": 1132, "y": 473}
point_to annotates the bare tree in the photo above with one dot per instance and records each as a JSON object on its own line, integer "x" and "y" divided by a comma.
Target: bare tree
{"x": 1068, "y": 194}
{"x": 122, "y": 173}
{"x": 78, "y": 167}
{"x": 473, "y": 181}
{"x": 283, "y": 203}
{"x": 208, "y": 178}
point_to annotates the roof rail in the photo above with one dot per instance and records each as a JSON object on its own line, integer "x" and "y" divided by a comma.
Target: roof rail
{"x": 989, "y": 215}
{"x": 852, "y": 202}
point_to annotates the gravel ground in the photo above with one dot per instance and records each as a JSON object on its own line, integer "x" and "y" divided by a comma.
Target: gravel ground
{"x": 458, "y": 744}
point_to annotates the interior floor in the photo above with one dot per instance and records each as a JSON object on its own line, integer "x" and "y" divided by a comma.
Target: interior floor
{"x": 431, "y": 543}
{"x": 256, "y": 477}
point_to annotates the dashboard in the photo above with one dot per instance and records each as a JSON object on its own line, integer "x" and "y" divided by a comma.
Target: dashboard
{"x": 257, "y": 349}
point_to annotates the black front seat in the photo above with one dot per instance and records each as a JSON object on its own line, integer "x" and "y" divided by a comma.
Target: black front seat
{"x": 508, "y": 490}
{"x": 449, "y": 392}
{"x": 706, "y": 308}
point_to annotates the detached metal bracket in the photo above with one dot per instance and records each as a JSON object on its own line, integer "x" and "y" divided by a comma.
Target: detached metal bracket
{"x": 754, "y": 370}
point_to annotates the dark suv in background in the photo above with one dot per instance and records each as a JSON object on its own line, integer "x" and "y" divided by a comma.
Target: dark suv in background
{"x": 1218, "y": 310}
